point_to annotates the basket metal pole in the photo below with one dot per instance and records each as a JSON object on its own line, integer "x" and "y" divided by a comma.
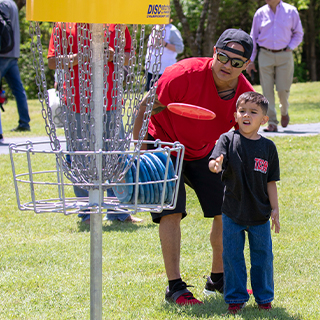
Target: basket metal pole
{"x": 96, "y": 219}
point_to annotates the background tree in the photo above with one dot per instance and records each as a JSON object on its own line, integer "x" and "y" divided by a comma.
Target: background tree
{"x": 20, "y": 3}
{"x": 200, "y": 22}
{"x": 310, "y": 16}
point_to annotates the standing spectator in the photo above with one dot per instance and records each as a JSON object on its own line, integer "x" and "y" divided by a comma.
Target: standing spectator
{"x": 3, "y": 100}
{"x": 71, "y": 30}
{"x": 250, "y": 169}
{"x": 173, "y": 44}
{"x": 276, "y": 31}
{"x": 9, "y": 66}
{"x": 211, "y": 83}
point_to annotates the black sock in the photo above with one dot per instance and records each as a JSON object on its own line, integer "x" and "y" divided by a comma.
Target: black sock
{"x": 216, "y": 276}
{"x": 173, "y": 282}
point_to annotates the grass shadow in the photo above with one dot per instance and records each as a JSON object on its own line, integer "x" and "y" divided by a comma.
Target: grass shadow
{"x": 117, "y": 226}
{"x": 212, "y": 306}
{"x": 215, "y": 307}
{"x": 252, "y": 312}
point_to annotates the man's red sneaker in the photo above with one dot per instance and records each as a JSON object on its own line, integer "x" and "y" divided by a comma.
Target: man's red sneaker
{"x": 181, "y": 295}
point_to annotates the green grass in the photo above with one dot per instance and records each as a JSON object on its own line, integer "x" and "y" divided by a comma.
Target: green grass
{"x": 304, "y": 102}
{"x": 45, "y": 258}
{"x": 304, "y": 108}
{"x": 10, "y": 120}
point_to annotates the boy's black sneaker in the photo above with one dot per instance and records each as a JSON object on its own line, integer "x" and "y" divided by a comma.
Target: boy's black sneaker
{"x": 181, "y": 295}
{"x": 213, "y": 287}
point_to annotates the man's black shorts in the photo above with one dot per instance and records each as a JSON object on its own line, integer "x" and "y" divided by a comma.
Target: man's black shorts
{"x": 206, "y": 184}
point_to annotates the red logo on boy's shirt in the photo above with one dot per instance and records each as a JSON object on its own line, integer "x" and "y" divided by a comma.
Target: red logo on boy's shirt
{"x": 260, "y": 165}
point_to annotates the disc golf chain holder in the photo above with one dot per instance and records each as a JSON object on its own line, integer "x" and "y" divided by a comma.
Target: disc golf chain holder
{"x": 100, "y": 152}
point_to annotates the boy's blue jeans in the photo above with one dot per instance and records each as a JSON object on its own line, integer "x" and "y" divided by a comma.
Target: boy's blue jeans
{"x": 235, "y": 273}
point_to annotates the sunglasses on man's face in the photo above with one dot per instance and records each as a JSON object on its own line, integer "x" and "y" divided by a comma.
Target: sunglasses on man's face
{"x": 235, "y": 62}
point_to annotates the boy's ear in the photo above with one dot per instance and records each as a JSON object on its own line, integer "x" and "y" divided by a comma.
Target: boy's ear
{"x": 264, "y": 120}
{"x": 235, "y": 117}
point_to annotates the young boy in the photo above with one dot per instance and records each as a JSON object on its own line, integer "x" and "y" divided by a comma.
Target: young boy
{"x": 250, "y": 169}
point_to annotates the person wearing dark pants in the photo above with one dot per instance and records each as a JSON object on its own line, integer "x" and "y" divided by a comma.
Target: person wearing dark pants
{"x": 9, "y": 66}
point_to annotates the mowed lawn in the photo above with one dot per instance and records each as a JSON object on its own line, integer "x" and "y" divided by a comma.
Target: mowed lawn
{"x": 45, "y": 258}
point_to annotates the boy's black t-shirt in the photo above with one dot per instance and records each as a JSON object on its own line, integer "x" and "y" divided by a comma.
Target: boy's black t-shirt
{"x": 248, "y": 166}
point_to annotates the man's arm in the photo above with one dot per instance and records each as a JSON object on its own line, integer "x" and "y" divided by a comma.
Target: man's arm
{"x": 73, "y": 60}
{"x": 297, "y": 31}
{"x": 254, "y": 35}
{"x": 176, "y": 41}
{"x": 157, "y": 107}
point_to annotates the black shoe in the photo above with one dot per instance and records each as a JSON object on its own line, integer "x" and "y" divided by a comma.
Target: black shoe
{"x": 84, "y": 217}
{"x": 213, "y": 287}
{"x": 1, "y": 138}
{"x": 20, "y": 129}
{"x": 181, "y": 295}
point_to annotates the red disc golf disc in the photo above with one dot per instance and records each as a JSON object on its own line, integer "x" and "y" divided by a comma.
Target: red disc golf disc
{"x": 191, "y": 111}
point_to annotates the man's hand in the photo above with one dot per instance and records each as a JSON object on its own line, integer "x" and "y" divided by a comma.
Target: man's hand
{"x": 215, "y": 165}
{"x": 111, "y": 54}
{"x": 251, "y": 67}
{"x": 275, "y": 220}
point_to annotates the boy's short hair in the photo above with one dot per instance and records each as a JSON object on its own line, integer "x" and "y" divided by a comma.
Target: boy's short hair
{"x": 256, "y": 98}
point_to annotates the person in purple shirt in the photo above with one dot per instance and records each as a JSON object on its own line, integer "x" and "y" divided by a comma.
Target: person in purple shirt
{"x": 276, "y": 31}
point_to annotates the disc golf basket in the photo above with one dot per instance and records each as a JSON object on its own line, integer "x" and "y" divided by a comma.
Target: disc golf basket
{"x": 98, "y": 152}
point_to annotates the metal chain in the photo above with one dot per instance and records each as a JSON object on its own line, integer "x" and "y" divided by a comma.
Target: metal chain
{"x": 38, "y": 64}
{"x": 157, "y": 36}
{"x": 128, "y": 86}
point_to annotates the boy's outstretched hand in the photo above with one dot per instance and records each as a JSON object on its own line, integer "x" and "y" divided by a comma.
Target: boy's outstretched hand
{"x": 215, "y": 165}
{"x": 275, "y": 220}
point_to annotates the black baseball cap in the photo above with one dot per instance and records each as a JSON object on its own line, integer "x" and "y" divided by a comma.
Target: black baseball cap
{"x": 239, "y": 36}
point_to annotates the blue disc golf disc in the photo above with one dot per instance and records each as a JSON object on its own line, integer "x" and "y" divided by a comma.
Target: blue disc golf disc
{"x": 171, "y": 174}
{"x": 124, "y": 192}
{"x": 143, "y": 177}
{"x": 157, "y": 166}
{"x": 161, "y": 170}
{"x": 141, "y": 197}
{"x": 153, "y": 186}
{"x": 133, "y": 169}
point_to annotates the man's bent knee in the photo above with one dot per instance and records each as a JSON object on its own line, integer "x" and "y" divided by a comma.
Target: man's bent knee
{"x": 172, "y": 218}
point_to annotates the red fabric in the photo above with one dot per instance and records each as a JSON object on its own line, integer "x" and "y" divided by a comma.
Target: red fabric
{"x": 187, "y": 299}
{"x": 74, "y": 49}
{"x": 191, "y": 81}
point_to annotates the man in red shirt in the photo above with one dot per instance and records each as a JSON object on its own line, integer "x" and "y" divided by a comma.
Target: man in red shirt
{"x": 211, "y": 83}
{"x": 71, "y": 30}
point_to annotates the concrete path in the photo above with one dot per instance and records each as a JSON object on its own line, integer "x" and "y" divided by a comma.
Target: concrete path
{"x": 307, "y": 129}
{"x": 4, "y": 146}
{"x": 291, "y": 129}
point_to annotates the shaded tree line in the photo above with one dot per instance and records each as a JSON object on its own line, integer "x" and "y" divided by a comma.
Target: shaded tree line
{"x": 201, "y": 22}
